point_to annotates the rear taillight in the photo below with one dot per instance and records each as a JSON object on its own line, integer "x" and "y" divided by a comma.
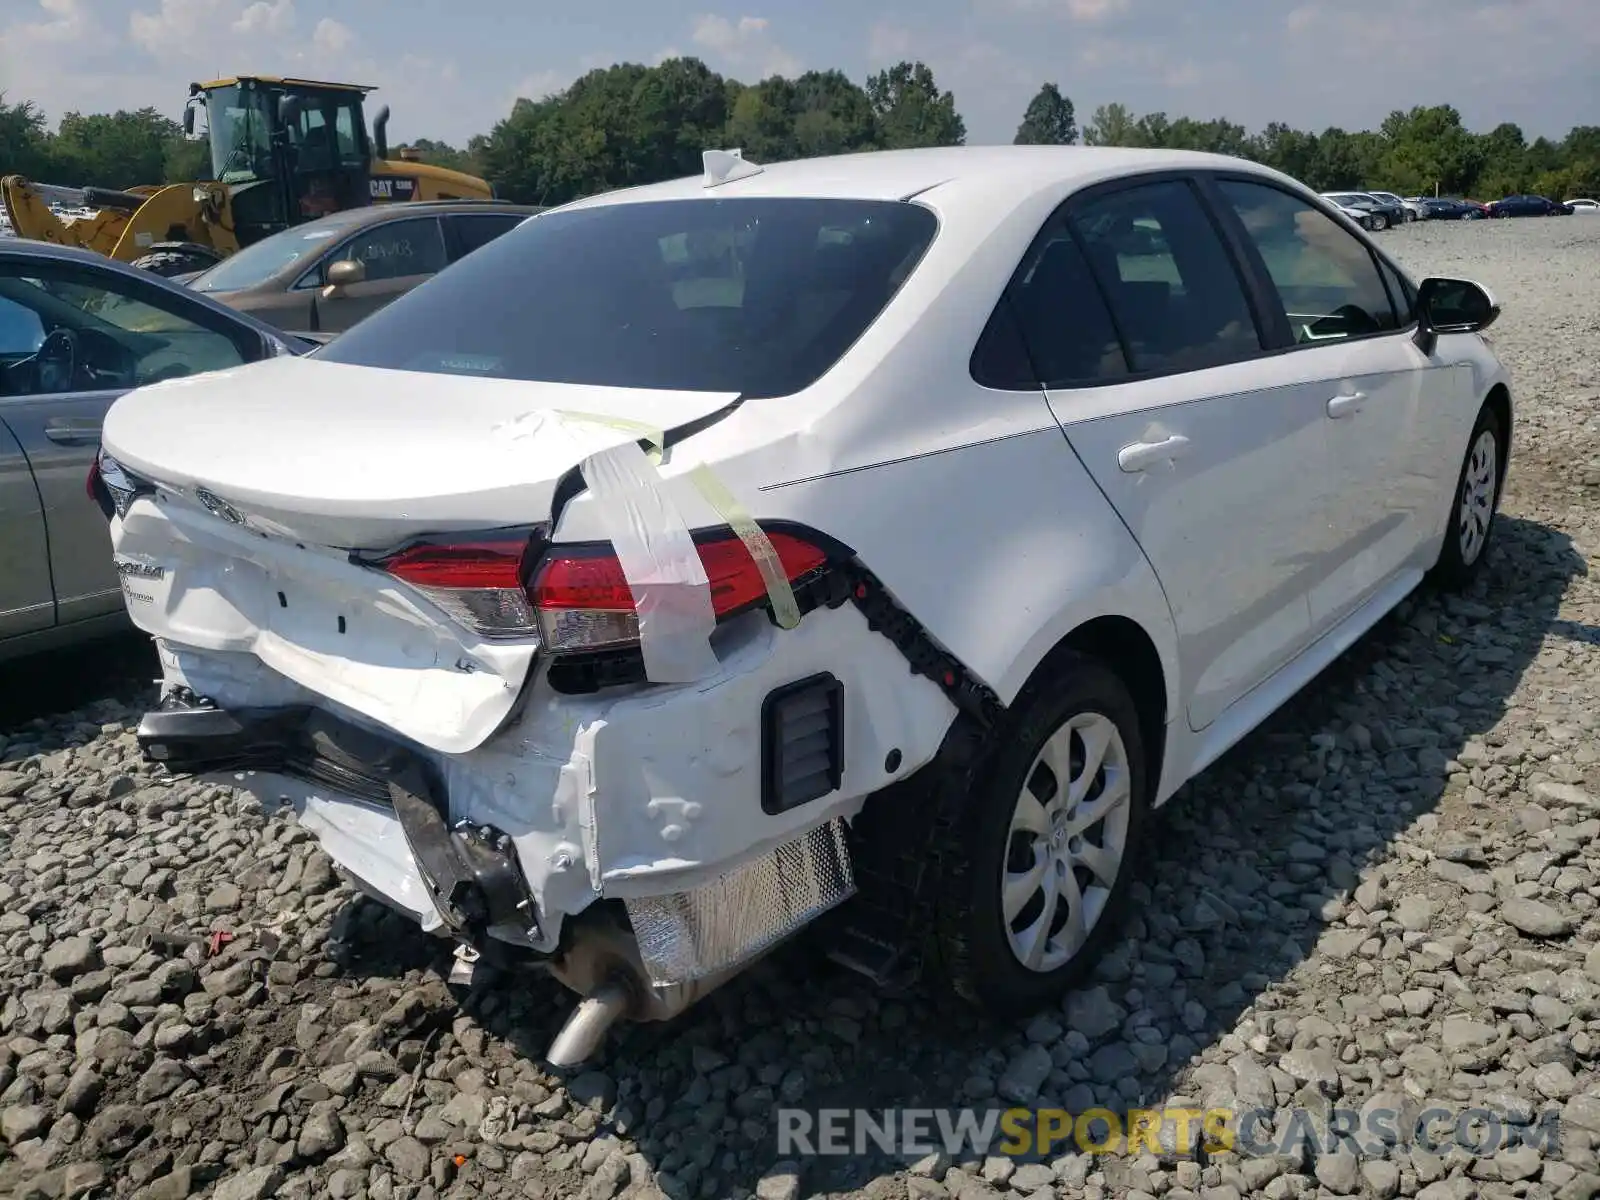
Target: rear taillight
{"x": 478, "y": 584}
{"x": 584, "y": 602}
{"x": 578, "y": 598}
{"x": 113, "y": 489}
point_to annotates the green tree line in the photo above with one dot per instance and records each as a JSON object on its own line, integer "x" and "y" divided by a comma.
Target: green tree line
{"x": 628, "y": 124}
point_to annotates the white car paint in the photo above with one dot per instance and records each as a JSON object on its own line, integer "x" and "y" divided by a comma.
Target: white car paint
{"x": 1289, "y": 500}
{"x": 1583, "y": 205}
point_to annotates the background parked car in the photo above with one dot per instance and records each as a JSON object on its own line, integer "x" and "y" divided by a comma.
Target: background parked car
{"x": 1383, "y": 214}
{"x": 1528, "y": 206}
{"x": 77, "y": 330}
{"x": 1410, "y": 210}
{"x": 1583, "y": 205}
{"x": 1448, "y": 208}
{"x": 328, "y": 275}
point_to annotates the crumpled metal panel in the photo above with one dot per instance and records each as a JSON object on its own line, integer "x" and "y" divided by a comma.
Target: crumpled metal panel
{"x": 686, "y": 936}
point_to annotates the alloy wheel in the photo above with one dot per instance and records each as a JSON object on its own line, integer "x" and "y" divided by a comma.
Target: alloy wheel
{"x": 1067, "y": 842}
{"x": 1477, "y": 496}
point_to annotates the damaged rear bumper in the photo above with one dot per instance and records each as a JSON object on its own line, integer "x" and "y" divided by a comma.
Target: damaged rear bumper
{"x": 469, "y": 871}
{"x": 380, "y": 810}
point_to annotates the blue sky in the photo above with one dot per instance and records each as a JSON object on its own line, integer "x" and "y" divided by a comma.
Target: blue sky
{"x": 1312, "y": 63}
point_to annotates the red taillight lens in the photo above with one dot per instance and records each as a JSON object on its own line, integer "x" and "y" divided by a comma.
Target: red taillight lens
{"x": 92, "y": 483}
{"x": 584, "y": 602}
{"x": 479, "y": 583}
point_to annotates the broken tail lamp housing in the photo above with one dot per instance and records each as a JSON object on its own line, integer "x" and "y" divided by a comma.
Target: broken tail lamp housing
{"x": 576, "y": 598}
{"x": 112, "y": 488}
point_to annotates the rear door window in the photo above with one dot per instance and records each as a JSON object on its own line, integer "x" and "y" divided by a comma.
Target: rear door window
{"x": 1060, "y": 316}
{"x": 396, "y": 249}
{"x": 469, "y": 231}
{"x": 1174, "y": 292}
{"x": 757, "y": 295}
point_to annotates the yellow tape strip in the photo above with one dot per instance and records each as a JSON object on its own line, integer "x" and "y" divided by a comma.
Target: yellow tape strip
{"x": 755, "y": 539}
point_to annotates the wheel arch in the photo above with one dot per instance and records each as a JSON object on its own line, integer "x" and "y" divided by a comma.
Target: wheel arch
{"x": 1125, "y": 647}
{"x": 1498, "y": 401}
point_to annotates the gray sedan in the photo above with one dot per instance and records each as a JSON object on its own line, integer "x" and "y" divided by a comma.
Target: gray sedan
{"x": 76, "y": 331}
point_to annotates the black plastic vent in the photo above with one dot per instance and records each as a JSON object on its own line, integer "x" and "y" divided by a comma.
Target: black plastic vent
{"x": 802, "y": 742}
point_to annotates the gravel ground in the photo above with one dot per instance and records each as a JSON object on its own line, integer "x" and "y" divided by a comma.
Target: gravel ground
{"x": 1389, "y": 895}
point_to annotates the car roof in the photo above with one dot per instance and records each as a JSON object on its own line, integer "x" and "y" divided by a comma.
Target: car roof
{"x": 374, "y": 214}
{"x": 1015, "y": 171}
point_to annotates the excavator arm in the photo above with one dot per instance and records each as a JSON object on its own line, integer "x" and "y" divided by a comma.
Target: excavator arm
{"x": 124, "y": 225}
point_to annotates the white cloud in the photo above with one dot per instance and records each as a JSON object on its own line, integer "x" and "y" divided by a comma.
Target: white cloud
{"x": 264, "y": 17}
{"x": 744, "y": 45}
{"x": 1095, "y": 10}
{"x": 331, "y": 37}
{"x": 540, "y": 84}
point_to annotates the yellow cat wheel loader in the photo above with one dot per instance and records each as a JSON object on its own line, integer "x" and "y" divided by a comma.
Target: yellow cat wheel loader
{"x": 283, "y": 151}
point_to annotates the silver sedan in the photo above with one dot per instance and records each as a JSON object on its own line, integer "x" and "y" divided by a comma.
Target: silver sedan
{"x": 77, "y": 330}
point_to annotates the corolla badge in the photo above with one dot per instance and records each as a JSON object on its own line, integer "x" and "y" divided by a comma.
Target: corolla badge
{"x": 219, "y": 507}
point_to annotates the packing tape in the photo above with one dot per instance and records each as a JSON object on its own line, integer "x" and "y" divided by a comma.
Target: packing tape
{"x": 658, "y": 556}
{"x": 642, "y": 430}
{"x": 671, "y": 592}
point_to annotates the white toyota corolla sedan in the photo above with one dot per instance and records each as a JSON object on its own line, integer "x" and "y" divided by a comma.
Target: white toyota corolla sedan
{"x": 897, "y": 528}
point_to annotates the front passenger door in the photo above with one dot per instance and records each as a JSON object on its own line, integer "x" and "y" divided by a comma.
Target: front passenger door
{"x": 1349, "y": 316}
{"x": 397, "y": 255}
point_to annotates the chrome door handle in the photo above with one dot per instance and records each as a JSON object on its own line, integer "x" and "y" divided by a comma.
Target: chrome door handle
{"x": 1344, "y": 406}
{"x": 73, "y": 433}
{"x": 1141, "y": 456}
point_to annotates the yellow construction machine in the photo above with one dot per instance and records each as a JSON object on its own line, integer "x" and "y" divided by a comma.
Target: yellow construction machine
{"x": 283, "y": 151}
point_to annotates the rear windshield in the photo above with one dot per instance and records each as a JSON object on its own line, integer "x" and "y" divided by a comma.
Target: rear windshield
{"x": 758, "y": 296}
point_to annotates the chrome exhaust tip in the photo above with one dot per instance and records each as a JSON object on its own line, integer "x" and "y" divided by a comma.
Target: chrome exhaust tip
{"x": 585, "y": 1029}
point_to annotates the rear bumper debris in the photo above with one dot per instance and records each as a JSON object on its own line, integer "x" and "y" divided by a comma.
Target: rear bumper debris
{"x": 468, "y": 871}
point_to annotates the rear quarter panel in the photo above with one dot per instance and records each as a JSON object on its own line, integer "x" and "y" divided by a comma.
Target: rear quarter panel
{"x": 967, "y": 503}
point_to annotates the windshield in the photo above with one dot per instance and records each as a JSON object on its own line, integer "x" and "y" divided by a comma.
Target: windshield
{"x": 756, "y": 296}
{"x": 239, "y": 121}
{"x": 266, "y": 258}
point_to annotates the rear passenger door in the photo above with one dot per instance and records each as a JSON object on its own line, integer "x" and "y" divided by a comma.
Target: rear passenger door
{"x": 465, "y": 232}
{"x": 1349, "y": 317}
{"x": 398, "y": 255}
{"x": 1149, "y": 343}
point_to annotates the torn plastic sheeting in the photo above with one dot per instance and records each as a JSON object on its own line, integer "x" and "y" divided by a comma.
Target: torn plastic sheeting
{"x": 671, "y": 592}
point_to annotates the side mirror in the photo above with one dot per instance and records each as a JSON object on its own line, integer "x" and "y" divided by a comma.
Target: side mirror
{"x": 342, "y": 274}
{"x": 188, "y": 120}
{"x": 288, "y": 110}
{"x": 1456, "y": 305}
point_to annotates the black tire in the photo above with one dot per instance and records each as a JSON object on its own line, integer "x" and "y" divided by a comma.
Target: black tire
{"x": 1461, "y": 558}
{"x": 174, "y": 262}
{"x": 973, "y": 949}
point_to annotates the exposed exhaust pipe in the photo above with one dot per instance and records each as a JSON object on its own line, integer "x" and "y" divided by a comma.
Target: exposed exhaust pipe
{"x": 380, "y": 133}
{"x": 588, "y": 1025}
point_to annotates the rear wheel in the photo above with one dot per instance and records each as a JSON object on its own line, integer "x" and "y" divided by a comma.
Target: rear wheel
{"x": 175, "y": 262}
{"x": 1474, "y": 505}
{"x": 1034, "y": 876}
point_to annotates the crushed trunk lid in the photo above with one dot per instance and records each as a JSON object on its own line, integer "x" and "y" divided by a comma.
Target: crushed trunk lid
{"x": 269, "y": 475}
